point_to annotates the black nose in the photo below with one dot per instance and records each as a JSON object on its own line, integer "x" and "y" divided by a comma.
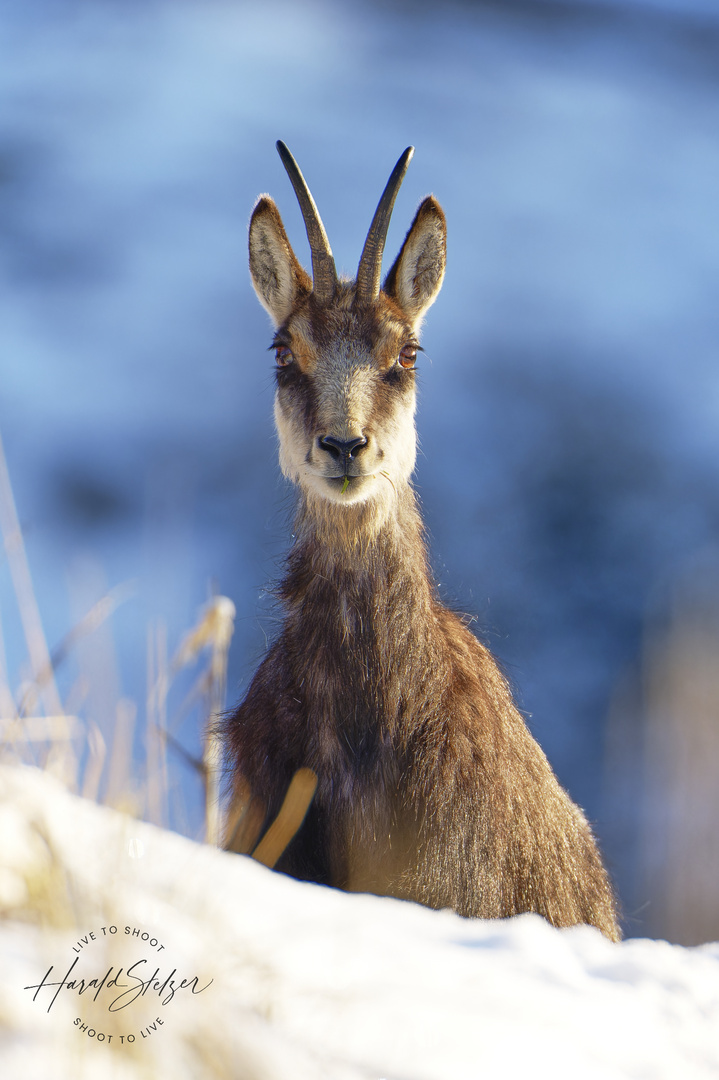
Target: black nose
{"x": 342, "y": 451}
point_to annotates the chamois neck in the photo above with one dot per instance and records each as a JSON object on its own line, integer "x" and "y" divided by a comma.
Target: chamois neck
{"x": 362, "y": 531}
{"x": 350, "y": 550}
{"x": 360, "y": 614}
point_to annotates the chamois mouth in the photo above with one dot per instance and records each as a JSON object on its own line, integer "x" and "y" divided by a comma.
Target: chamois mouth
{"x": 348, "y": 480}
{"x": 345, "y": 487}
{"x": 353, "y": 475}
{"x": 340, "y": 485}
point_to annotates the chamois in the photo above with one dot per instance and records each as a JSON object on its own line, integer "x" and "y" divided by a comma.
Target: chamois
{"x": 429, "y": 786}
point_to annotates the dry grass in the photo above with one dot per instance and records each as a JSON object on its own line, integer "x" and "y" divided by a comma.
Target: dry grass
{"x": 66, "y": 737}
{"x": 108, "y": 748}
{"x": 680, "y": 841}
{"x": 663, "y": 762}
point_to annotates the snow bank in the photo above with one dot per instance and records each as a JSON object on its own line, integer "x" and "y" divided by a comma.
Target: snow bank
{"x": 302, "y": 981}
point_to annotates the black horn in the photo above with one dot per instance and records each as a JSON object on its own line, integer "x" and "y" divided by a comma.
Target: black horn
{"x": 324, "y": 273}
{"x": 370, "y": 266}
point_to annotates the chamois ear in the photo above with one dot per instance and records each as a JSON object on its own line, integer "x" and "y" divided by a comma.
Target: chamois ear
{"x": 416, "y": 277}
{"x": 276, "y": 274}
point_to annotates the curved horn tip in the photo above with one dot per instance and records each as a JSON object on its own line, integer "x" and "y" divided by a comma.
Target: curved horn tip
{"x": 370, "y": 265}
{"x": 324, "y": 274}
{"x": 403, "y": 163}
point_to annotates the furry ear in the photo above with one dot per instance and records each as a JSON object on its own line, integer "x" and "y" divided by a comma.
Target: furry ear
{"x": 276, "y": 274}
{"x": 418, "y": 271}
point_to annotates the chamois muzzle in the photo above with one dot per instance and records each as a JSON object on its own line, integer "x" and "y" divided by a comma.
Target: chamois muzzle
{"x": 343, "y": 452}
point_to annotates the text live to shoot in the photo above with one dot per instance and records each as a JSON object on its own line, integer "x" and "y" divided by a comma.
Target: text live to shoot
{"x": 117, "y": 988}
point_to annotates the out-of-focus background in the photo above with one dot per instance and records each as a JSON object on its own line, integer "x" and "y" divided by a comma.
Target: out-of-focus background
{"x": 569, "y": 395}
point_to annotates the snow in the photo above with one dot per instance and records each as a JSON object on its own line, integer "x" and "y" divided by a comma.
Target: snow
{"x": 305, "y": 981}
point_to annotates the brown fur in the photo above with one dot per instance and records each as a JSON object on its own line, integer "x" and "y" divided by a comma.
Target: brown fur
{"x": 430, "y": 787}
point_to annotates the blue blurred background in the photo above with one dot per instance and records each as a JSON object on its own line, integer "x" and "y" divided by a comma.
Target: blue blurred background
{"x": 569, "y": 395}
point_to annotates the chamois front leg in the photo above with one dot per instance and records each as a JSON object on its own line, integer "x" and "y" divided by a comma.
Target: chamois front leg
{"x": 262, "y": 753}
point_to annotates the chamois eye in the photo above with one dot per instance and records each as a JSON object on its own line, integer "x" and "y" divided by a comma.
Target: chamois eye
{"x": 407, "y": 357}
{"x": 283, "y": 355}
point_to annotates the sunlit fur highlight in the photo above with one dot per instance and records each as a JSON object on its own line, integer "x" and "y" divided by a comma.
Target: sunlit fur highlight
{"x": 430, "y": 787}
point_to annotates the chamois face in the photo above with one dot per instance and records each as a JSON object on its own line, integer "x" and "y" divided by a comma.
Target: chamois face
{"x": 345, "y": 400}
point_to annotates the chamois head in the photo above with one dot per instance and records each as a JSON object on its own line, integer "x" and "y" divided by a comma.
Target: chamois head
{"x": 346, "y": 350}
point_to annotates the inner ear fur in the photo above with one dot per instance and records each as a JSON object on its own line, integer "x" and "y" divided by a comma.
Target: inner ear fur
{"x": 418, "y": 271}
{"x": 276, "y": 273}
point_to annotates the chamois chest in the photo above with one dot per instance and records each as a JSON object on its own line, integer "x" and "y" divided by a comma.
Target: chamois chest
{"x": 360, "y": 639}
